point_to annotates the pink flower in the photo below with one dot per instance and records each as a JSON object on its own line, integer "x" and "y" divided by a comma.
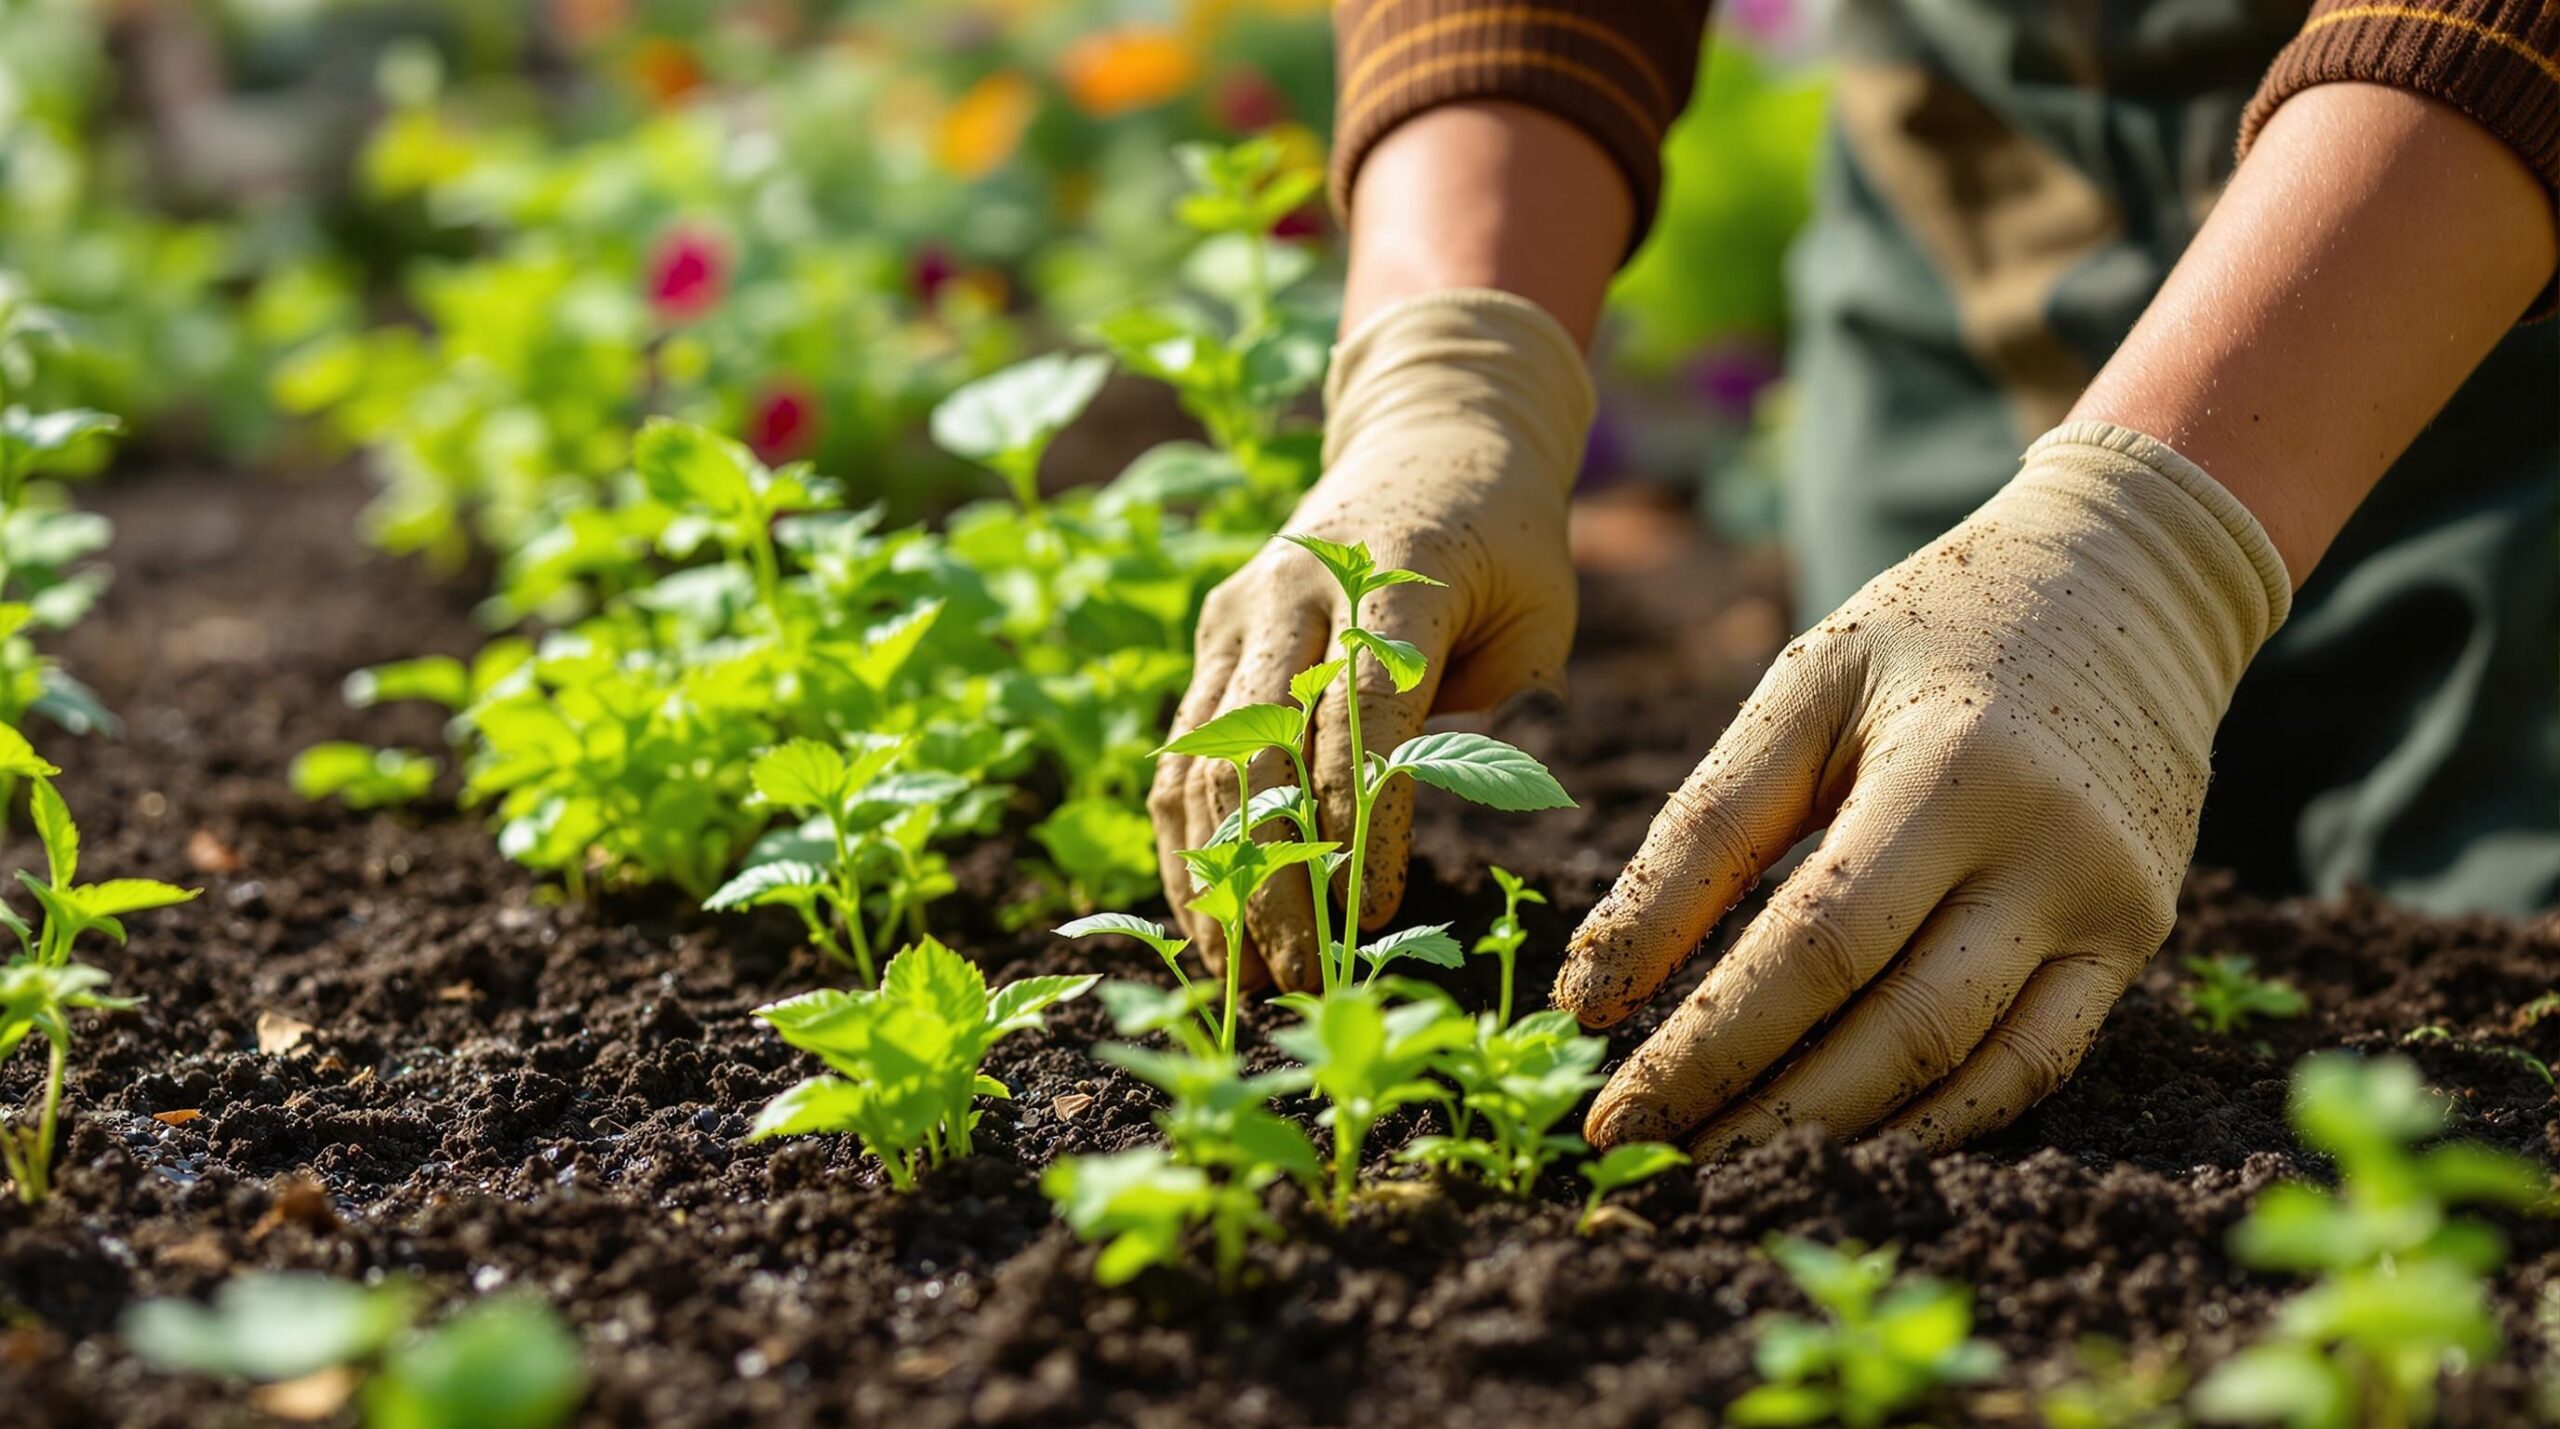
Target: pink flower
{"x": 783, "y": 422}
{"x": 687, "y": 274}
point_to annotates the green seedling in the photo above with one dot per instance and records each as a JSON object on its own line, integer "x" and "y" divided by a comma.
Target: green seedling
{"x": 1514, "y": 1084}
{"x": 868, "y": 816}
{"x": 1366, "y": 1056}
{"x": 2417, "y": 1036}
{"x": 362, "y": 776}
{"x": 1166, "y": 946}
{"x": 1621, "y": 1167}
{"x": 2225, "y": 993}
{"x": 1504, "y": 938}
{"x": 1884, "y": 1346}
{"x": 2116, "y": 1390}
{"x": 40, "y": 986}
{"x": 2403, "y": 1294}
{"x": 501, "y": 1364}
{"x": 1226, "y": 1146}
{"x": 905, "y": 1057}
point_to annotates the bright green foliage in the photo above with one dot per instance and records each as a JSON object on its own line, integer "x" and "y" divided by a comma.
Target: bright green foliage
{"x": 2403, "y": 1293}
{"x": 501, "y": 1364}
{"x": 866, "y": 820}
{"x": 1884, "y": 1345}
{"x": 905, "y": 1056}
{"x": 1226, "y": 1146}
{"x": 1622, "y": 1167}
{"x": 46, "y": 582}
{"x": 2117, "y": 1391}
{"x": 1504, "y": 938}
{"x": 2226, "y": 993}
{"x": 1366, "y": 1056}
{"x": 1166, "y": 946}
{"x": 1007, "y": 420}
{"x": 1515, "y": 1083}
{"x": 40, "y": 986}
{"x": 365, "y": 777}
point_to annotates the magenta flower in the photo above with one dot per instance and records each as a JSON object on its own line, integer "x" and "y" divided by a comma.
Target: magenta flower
{"x": 783, "y": 422}
{"x": 687, "y": 274}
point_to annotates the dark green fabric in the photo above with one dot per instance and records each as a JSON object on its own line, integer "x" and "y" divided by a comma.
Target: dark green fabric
{"x": 2400, "y": 731}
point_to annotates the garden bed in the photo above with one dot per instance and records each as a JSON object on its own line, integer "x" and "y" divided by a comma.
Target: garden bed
{"x": 497, "y": 1090}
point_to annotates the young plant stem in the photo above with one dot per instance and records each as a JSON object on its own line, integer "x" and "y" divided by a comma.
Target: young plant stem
{"x": 849, "y": 900}
{"x": 1235, "y": 925}
{"x": 1348, "y": 1135}
{"x": 1503, "y": 1017}
{"x": 1361, "y": 797}
{"x": 1320, "y": 884}
{"x": 38, "y": 1180}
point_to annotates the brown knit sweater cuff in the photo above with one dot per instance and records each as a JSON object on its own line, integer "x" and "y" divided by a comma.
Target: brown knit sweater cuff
{"x": 2497, "y": 61}
{"x": 1619, "y": 70}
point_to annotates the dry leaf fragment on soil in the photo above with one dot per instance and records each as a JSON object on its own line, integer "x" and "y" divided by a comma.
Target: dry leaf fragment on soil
{"x": 299, "y": 1201}
{"x": 207, "y": 853}
{"x": 176, "y": 1118}
{"x": 279, "y": 1035}
{"x": 317, "y": 1395}
{"x": 1070, "y": 1106}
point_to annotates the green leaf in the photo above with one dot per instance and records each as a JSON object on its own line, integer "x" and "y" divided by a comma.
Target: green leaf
{"x": 1630, "y": 1163}
{"x": 1013, "y": 413}
{"x": 1480, "y": 769}
{"x": 1270, "y": 804}
{"x": 816, "y": 1106}
{"x": 1350, "y": 564}
{"x": 931, "y": 976}
{"x": 61, "y": 838}
{"x": 507, "y": 1364}
{"x": 1773, "y": 1406}
{"x": 2277, "y": 1381}
{"x": 439, "y": 679}
{"x": 1016, "y": 1006}
{"x": 1172, "y": 473}
{"x": 1403, "y": 662}
{"x": 119, "y": 896}
{"x": 361, "y": 776}
{"x": 271, "y": 1327}
{"x": 1239, "y": 734}
{"x": 787, "y": 881}
{"x": 18, "y": 759}
{"x": 1126, "y": 925}
{"x": 693, "y": 468}
{"x": 1431, "y": 944}
{"x": 801, "y": 774}
{"x": 1308, "y": 685}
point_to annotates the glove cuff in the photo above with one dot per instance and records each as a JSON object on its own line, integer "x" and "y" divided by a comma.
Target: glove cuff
{"x": 2224, "y": 508}
{"x": 1464, "y": 353}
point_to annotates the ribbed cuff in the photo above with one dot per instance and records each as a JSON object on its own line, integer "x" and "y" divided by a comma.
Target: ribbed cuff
{"x": 2496, "y": 61}
{"x": 2217, "y": 500}
{"x": 1619, "y": 70}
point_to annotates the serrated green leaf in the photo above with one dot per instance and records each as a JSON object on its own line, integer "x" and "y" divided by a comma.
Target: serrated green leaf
{"x": 19, "y": 759}
{"x": 1127, "y": 926}
{"x": 1308, "y": 685}
{"x": 1403, "y": 662}
{"x": 60, "y": 837}
{"x": 801, "y": 774}
{"x": 1429, "y": 944}
{"x": 1480, "y": 769}
{"x": 1016, "y": 411}
{"x": 781, "y": 881}
{"x": 1239, "y": 734}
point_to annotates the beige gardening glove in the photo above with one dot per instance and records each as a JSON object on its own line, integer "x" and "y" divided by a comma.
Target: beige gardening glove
{"x": 2005, "y": 739}
{"x": 1455, "y": 424}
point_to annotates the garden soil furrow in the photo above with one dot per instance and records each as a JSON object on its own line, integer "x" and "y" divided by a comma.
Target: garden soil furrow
{"x": 497, "y": 1090}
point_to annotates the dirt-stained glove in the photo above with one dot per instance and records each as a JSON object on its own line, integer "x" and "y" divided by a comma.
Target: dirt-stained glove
{"x": 2005, "y": 739}
{"x": 1455, "y": 425}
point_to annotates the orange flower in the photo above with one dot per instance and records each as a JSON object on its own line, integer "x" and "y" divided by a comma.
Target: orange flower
{"x": 981, "y": 131}
{"x": 1122, "y": 70}
{"x": 663, "y": 70}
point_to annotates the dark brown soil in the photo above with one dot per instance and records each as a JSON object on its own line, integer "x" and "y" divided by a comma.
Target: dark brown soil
{"x": 503, "y": 1091}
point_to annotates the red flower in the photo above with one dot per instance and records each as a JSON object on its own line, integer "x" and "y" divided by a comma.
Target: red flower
{"x": 784, "y": 422}
{"x": 932, "y": 267}
{"x": 686, "y": 274}
{"x": 1247, "y": 103}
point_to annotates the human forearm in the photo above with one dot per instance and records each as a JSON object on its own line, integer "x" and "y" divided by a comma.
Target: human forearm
{"x": 2367, "y": 255}
{"x": 1487, "y": 195}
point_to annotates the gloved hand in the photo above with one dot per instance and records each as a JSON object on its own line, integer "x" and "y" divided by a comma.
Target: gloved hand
{"x": 2006, "y": 739}
{"x": 1455, "y": 426}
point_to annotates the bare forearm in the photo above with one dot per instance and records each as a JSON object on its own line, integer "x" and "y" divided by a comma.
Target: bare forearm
{"x": 2367, "y": 255}
{"x": 1488, "y": 195}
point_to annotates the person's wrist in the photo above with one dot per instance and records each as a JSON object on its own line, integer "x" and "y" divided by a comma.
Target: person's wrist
{"x": 1457, "y": 361}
